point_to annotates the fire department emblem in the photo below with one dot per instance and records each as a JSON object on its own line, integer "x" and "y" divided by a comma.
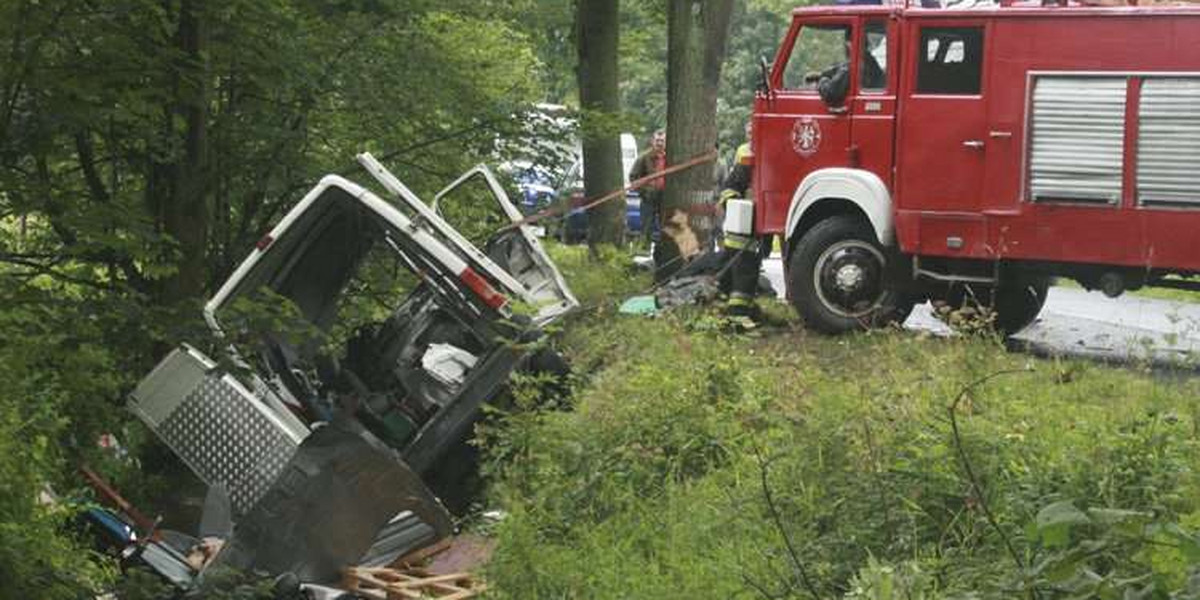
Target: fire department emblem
{"x": 806, "y": 136}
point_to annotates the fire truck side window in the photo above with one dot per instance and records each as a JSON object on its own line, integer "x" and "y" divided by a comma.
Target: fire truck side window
{"x": 819, "y": 50}
{"x": 872, "y": 68}
{"x": 950, "y": 60}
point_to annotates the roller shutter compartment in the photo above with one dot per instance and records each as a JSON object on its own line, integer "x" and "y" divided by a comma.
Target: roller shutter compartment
{"x": 1168, "y": 157}
{"x": 1077, "y": 139}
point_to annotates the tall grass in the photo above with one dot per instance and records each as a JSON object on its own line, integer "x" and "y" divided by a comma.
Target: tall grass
{"x": 698, "y": 464}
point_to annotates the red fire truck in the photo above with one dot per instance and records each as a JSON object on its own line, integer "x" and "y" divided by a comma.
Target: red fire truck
{"x": 976, "y": 154}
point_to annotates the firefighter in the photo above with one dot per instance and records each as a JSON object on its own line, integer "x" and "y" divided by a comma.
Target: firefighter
{"x": 834, "y": 83}
{"x": 744, "y": 250}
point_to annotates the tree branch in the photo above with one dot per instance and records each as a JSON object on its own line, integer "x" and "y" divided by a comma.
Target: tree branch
{"x": 13, "y": 89}
{"x": 87, "y": 164}
{"x": 777, "y": 520}
{"x": 48, "y": 270}
{"x": 965, "y": 461}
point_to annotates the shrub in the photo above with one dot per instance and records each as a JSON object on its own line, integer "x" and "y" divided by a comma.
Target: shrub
{"x": 697, "y": 464}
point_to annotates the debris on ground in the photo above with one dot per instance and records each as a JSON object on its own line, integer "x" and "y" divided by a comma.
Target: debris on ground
{"x": 684, "y": 291}
{"x": 465, "y": 553}
{"x": 639, "y": 305}
{"x": 444, "y": 570}
{"x": 383, "y": 583}
{"x": 702, "y": 281}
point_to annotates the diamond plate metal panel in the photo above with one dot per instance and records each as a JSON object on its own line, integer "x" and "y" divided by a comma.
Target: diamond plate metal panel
{"x": 1077, "y": 138}
{"x": 223, "y": 436}
{"x": 1168, "y": 156}
{"x": 218, "y": 428}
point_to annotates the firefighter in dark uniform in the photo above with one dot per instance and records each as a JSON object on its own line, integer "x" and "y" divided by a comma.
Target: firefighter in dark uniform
{"x": 745, "y": 251}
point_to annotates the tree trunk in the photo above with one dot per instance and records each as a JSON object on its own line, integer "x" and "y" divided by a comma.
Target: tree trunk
{"x": 696, "y": 35}
{"x": 186, "y": 218}
{"x": 597, "y": 27}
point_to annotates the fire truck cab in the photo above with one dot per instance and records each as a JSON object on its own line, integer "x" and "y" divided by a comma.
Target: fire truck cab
{"x": 976, "y": 153}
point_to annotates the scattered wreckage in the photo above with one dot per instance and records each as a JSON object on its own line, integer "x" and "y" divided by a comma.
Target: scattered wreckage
{"x": 701, "y": 281}
{"x": 329, "y": 447}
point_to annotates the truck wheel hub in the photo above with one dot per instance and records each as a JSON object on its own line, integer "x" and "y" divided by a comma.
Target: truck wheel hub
{"x": 848, "y": 277}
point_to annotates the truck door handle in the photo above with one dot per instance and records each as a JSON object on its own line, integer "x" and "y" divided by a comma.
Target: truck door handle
{"x": 999, "y": 134}
{"x": 838, "y": 110}
{"x": 976, "y": 144}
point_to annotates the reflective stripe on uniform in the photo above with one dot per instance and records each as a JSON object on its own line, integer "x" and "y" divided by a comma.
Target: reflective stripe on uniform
{"x": 739, "y": 242}
{"x": 735, "y": 242}
{"x": 739, "y": 299}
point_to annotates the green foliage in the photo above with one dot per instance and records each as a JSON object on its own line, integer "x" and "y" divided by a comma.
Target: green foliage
{"x": 45, "y": 374}
{"x": 217, "y": 583}
{"x": 473, "y": 210}
{"x": 655, "y": 483}
{"x": 904, "y": 581}
{"x": 140, "y": 584}
{"x": 600, "y": 279}
{"x": 1090, "y": 554}
{"x": 130, "y": 161}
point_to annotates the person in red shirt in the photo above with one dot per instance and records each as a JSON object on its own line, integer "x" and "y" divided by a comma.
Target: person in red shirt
{"x": 651, "y": 161}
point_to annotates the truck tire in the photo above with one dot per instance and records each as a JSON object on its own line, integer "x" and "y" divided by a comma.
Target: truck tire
{"x": 836, "y": 278}
{"x": 1016, "y": 302}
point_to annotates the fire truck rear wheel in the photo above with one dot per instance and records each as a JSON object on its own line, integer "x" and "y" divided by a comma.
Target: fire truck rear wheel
{"x": 1016, "y": 302}
{"x": 836, "y": 278}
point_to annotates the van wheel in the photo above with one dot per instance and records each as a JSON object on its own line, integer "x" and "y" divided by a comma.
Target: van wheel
{"x": 836, "y": 278}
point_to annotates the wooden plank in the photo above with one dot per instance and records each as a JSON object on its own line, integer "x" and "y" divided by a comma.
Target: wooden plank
{"x": 359, "y": 581}
{"x": 412, "y": 584}
{"x": 421, "y": 554}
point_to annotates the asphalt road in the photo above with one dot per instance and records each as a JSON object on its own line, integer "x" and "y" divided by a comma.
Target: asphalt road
{"x": 1088, "y": 324}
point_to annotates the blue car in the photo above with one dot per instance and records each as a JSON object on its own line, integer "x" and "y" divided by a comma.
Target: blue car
{"x": 536, "y": 187}
{"x": 575, "y": 225}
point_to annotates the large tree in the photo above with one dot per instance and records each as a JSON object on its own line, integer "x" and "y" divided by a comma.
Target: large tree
{"x": 696, "y": 35}
{"x": 597, "y": 35}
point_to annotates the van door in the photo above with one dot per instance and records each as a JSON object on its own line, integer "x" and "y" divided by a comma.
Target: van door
{"x": 942, "y": 142}
{"x": 513, "y": 248}
{"x": 795, "y": 127}
{"x": 483, "y": 216}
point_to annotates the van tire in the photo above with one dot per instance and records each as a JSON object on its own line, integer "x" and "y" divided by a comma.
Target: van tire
{"x": 837, "y": 278}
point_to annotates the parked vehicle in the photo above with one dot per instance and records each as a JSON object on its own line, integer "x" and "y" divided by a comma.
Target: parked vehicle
{"x": 570, "y": 190}
{"x": 356, "y": 325}
{"x": 978, "y": 153}
{"x": 535, "y": 184}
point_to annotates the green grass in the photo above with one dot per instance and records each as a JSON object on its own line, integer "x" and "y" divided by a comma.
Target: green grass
{"x": 650, "y": 485}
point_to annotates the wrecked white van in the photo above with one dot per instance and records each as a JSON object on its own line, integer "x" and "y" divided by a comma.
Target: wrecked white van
{"x": 401, "y": 320}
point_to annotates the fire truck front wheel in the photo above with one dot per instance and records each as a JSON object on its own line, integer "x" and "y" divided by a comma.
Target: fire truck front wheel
{"x": 837, "y": 281}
